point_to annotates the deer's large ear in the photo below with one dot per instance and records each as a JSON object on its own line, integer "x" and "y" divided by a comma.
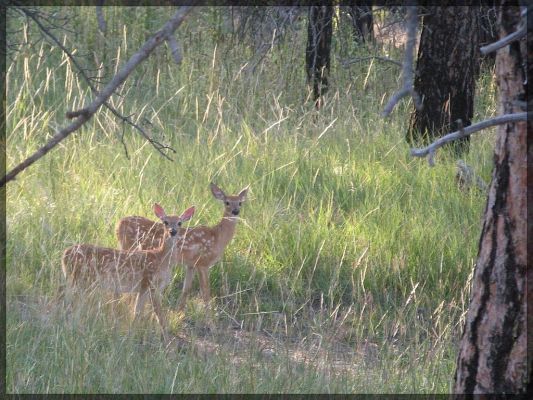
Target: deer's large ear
{"x": 187, "y": 214}
{"x": 243, "y": 193}
{"x": 217, "y": 192}
{"x": 158, "y": 210}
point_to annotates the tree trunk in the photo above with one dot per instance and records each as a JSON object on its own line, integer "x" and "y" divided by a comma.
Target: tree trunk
{"x": 446, "y": 72}
{"x": 319, "y": 32}
{"x": 362, "y": 22}
{"x": 493, "y": 354}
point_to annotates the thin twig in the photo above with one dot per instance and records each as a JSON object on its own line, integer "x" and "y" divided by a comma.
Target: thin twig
{"x": 54, "y": 20}
{"x": 517, "y": 35}
{"x": 124, "y": 143}
{"x": 407, "y": 72}
{"x": 86, "y": 113}
{"x": 345, "y": 63}
{"x": 73, "y": 114}
{"x": 462, "y": 132}
{"x": 265, "y": 48}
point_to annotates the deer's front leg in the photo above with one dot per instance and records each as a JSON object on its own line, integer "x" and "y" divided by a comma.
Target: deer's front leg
{"x": 187, "y": 285}
{"x": 203, "y": 274}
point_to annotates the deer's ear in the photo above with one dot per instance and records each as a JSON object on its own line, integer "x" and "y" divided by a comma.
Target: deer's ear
{"x": 158, "y": 210}
{"x": 217, "y": 192}
{"x": 243, "y": 193}
{"x": 187, "y": 214}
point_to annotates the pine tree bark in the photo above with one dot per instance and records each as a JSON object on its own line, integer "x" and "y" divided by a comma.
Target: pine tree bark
{"x": 493, "y": 356}
{"x": 319, "y": 33}
{"x": 446, "y": 72}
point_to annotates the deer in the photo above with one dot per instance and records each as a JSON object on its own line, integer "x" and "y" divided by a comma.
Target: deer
{"x": 201, "y": 247}
{"x": 144, "y": 272}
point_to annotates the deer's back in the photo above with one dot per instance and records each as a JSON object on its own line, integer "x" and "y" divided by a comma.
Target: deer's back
{"x": 135, "y": 231}
{"x": 117, "y": 270}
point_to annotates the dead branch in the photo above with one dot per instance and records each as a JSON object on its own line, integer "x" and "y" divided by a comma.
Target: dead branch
{"x": 73, "y": 114}
{"x": 517, "y": 35}
{"x": 407, "y": 72}
{"x": 174, "y": 49}
{"x": 502, "y": 119}
{"x": 86, "y": 113}
{"x": 102, "y": 26}
{"x": 58, "y": 137}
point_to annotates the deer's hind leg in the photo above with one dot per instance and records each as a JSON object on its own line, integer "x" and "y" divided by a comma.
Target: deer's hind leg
{"x": 203, "y": 274}
{"x": 155, "y": 298}
{"x": 139, "y": 303}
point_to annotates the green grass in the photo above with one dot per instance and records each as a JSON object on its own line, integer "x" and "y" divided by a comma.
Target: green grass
{"x": 349, "y": 271}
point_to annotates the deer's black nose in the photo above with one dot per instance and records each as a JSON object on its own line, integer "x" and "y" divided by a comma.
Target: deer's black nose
{"x": 235, "y": 212}
{"x": 173, "y": 232}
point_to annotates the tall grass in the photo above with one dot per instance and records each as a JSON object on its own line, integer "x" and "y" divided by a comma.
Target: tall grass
{"x": 349, "y": 271}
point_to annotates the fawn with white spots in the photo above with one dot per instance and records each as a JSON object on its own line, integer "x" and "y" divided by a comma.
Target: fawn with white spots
{"x": 145, "y": 272}
{"x": 201, "y": 247}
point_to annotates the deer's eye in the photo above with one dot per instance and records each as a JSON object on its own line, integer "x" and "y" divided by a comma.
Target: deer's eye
{"x": 227, "y": 203}
{"x": 240, "y": 203}
{"x": 179, "y": 223}
{"x": 166, "y": 223}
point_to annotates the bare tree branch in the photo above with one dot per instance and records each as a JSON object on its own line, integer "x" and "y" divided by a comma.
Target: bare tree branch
{"x": 407, "y": 72}
{"x": 517, "y": 35}
{"x": 521, "y": 32}
{"x": 100, "y": 17}
{"x": 502, "y": 119}
{"x": 174, "y": 49}
{"x": 86, "y": 113}
{"x": 73, "y": 114}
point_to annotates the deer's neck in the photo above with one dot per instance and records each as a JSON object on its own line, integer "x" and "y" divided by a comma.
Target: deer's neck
{"x": 168, "y": 251}
{"x": 226, "y": 228}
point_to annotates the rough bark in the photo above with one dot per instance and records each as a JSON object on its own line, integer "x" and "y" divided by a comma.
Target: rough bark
{"x": 446, "y": 72}
{"x": 362, "y": 21}
{"x": 319, "y": 33}
{"x": 493, "y": 356}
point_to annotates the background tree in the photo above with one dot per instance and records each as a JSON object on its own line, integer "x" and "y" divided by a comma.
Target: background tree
{"x": 446, "y": 71}
{"x": 493, "y": 356}
{"x": 319, "y": 33}
{"x": 362, "y": 21}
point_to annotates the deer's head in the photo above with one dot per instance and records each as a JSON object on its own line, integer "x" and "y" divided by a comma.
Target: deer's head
{"x": 232, "y": 204}
{"x": 173, "y": 222}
